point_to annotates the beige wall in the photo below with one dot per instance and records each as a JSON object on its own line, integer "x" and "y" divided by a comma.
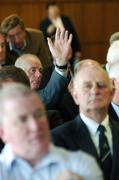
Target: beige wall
{"x": 94, "y": 20}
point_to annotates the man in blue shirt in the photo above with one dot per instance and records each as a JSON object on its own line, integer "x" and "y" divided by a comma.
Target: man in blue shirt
{"x": 28, "y": 153}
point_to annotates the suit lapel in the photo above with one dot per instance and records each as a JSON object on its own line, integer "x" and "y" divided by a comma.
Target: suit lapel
{"x": 112, "y": 113}
{"x": 115, "y": 140}
{"x": 82, "y": 138}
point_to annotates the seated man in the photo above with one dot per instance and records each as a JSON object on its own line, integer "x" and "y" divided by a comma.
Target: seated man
{"x": 28, "y": 152}
{"x": 21, "y": 40}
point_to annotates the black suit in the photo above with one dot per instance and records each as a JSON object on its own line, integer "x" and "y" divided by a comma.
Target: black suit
{"x": 68, "y": 26}
{"x": 112, "y": 113}
{"x": 74, "y": 135}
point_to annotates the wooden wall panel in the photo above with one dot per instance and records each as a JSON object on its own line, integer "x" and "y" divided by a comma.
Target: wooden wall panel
{"x": 94, "y": 20}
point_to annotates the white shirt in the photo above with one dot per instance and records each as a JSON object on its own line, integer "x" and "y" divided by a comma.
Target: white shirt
{"x": 55, "y": 161}
{"x": 92, "y": 126}
{"x": 116, "y": 108}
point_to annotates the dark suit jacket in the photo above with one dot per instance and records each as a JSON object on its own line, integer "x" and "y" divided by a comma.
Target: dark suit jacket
{"x": 68, "y": 26}
{"x": 65, "y": 104}
{"x": 112, "y": 113}
{"x": 74, "y": 135}
{"x": 51, "y": 94}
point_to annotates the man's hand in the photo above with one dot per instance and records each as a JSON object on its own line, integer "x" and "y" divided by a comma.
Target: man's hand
{"x": 61, "y": 48}
{"x": 68, "y": 175}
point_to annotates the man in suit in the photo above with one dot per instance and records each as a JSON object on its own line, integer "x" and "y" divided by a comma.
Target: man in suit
{"x": 21, "y": 40}
{"x": 60, "y": 76}
{"x": 56, "y": 19}
{"x": 93, "y": 92}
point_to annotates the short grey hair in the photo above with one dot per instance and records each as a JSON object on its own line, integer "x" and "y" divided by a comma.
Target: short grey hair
{"x": 84, "y": 63}
{"x": 13, "y": 90}
{"x": 114, "y": 37}
{"x": 113, "y": 52}
{"x": 114, "y": 70}
{"x": 97, "y": 67}
{"x": 25, "y": 59}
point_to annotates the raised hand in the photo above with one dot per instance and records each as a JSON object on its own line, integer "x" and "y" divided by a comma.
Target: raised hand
{"x": 61, "y": 48}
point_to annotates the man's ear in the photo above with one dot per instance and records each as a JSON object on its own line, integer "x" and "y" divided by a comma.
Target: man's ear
{"x": 75, "y": 97}
{"x": 113, "y": 82}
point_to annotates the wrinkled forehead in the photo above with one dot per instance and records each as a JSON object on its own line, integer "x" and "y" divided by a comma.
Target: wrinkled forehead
{"x": 92, "y": 74}
{"x": 22, "y": 103}
{"x": 32, "y": 62}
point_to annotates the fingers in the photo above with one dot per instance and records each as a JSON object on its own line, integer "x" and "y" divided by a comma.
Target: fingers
{"x": 66, "y": 35}
{"x": 57, "y": 35}
{"x": 63, "y": 35}
{"x": 70, "y": 38}
{"x": 50, "y": 44}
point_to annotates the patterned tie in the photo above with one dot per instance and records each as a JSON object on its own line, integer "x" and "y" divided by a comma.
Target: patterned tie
{"x": 105, "y": 155}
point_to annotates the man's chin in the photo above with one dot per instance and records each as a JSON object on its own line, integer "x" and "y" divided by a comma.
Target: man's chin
{"x": 35, "y": 86}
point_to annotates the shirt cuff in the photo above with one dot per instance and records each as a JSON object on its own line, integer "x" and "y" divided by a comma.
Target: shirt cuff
{"x": 62, "y": 72}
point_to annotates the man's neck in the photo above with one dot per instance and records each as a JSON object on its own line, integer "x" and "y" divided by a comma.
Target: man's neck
{"x": 98, "y": 114}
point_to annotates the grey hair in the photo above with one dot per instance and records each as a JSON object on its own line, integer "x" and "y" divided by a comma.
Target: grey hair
{"x": 114, "y": 70}
{"x": 25, "y": 59}
{"x": 98, "y": 67}
{"x": 113, "y": 53}
{"x": 83, "y": 63}
{"x": 13, "y": 90}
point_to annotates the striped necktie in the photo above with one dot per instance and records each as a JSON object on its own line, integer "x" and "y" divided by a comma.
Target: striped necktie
{"x": 105, "y": 154}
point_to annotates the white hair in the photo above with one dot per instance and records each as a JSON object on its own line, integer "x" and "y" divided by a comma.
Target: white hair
{"x": 114, "y": 70}
{"x": 113, "y": 52}
{"x": 95, "y": 67}
{"x": 25, "y": 59}
{"x": 12, "y": 90}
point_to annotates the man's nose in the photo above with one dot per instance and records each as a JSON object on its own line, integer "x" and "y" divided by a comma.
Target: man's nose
{"x": 37, "y": 73}
{"x": 16, "y": 39}
{"x": 95, "y": 88}
{"x": 33, "y": 123}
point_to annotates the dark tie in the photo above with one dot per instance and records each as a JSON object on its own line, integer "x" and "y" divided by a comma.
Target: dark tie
{"x": 105, "y": 155}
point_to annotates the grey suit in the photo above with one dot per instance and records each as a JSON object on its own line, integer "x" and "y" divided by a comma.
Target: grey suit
{"x": 50, "y": 95}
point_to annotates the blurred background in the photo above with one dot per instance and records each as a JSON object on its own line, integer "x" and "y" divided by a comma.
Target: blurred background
{"x": 94, "y": 20}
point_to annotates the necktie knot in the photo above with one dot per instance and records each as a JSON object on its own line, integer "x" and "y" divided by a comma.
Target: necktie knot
{"x": 101, "y": 128}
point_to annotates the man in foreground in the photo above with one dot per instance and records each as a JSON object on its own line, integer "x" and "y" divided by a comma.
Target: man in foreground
{"x": 28, "y": 153}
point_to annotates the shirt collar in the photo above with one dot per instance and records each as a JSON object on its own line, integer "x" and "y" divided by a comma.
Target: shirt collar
{"x": 53, "y": 156}
{"x": 9, "y": 158}
{"x": 12, "y": 47}
{"x": 116, "y": 108}
{"x": 92, "y": 125}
